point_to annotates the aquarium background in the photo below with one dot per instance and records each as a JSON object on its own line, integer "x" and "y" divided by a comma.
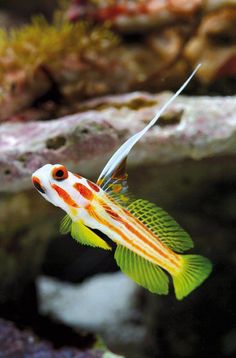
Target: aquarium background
{"x": 77, "y": 78}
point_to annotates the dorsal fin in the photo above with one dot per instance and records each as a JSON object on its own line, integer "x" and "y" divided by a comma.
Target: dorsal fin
{"x": 117, "y": 163}
{"x": 115, "y": 185}
{"x": 162, "y": 225}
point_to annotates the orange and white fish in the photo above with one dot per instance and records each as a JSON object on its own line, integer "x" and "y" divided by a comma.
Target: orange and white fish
{"x": 148, "y": 241}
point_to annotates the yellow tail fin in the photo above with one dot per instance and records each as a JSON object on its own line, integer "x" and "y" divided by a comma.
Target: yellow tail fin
{"x": 195, "y": 269}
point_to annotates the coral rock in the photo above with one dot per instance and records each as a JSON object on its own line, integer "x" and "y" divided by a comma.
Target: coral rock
{"x": 83, "y": 141}
{"x": 215, "y": 46}
{"x": 113, "y": 308}
{"x": 14, "y": 343}
{"x": 73, "y": 61}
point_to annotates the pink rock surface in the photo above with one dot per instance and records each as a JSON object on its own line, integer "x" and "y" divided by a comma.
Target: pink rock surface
{"x": 193, "y": 127}
{"x": 15, "y": 344}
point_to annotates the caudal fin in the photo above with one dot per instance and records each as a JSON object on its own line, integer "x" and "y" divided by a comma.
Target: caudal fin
{"x": 195, "y": 269}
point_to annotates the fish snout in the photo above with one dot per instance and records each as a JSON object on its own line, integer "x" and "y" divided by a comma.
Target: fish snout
{"x": 38, "y": 185}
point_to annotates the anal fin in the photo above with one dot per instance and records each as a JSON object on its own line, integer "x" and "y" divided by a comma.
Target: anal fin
{"x": 143, "y": 272}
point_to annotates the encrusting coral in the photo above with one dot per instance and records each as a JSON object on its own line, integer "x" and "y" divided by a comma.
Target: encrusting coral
{"x": 46, "y": 69}
{"x": 35, "y": 56}
{"x": 42, "y": 44}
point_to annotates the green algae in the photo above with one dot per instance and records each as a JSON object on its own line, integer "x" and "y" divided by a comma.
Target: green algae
{"x": 43, "y": 45}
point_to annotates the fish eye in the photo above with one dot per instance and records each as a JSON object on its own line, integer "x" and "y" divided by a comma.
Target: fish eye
{"x": 38, "y": 185}
{"x": 60, "y": 173}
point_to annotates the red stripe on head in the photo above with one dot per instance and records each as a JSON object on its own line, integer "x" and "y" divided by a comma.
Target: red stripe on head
{"x": 64, "y": 195}
{"x": 93, "y": 186}
{"x": 84, "y": 191}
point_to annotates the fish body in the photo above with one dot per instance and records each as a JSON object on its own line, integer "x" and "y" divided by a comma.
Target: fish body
{"x": 86, "y": 202}
{"x": 148, "y": 241}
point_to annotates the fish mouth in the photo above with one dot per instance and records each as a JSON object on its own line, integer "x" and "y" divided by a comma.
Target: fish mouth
{"x": 38, "y": 185}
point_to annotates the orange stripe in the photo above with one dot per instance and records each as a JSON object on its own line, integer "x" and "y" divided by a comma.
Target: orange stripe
{"x": 148, "y": 231}
{"x": 143, "y": 238}
{"x": 84, "y": 191}
{"x": 93, "y": 186}
{"x": 150, "y": 243}
{"x": 65, "y": 196}
{"x": 93, "y": 213}
{"x": 139, "y": 235}
{"x": 109, "y": 211}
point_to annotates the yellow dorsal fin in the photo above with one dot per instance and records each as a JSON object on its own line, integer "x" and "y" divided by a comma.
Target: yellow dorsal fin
{"x": 162, "y": 225}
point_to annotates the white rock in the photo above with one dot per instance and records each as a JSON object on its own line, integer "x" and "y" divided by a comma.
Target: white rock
{"x": 104, "y": 304}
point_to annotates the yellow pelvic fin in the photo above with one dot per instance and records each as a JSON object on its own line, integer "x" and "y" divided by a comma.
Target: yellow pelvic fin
{"x": 86, "y": 236}
{"x": 82, "y": 233}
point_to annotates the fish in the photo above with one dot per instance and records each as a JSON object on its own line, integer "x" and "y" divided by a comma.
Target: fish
{"x": 149, "y": 245}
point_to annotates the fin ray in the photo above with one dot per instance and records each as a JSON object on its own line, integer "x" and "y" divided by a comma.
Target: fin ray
{"x": 116, "y": 185}
{"x": 162, "y": 225}
{"x": 194, "y": 271}
{"x": 143, "y": 272}
{"x": 86, "y": 236}
{"x": 123, "y": 151}
{"x": 82, "y": 233}
{"x": 65, "y": 225}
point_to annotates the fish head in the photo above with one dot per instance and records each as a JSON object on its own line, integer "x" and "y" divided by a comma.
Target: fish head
{"x": 63, "y": 188}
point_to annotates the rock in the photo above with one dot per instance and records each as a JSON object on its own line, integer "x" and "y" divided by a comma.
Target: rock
{"x": 208, "y": 46}
{"x": 45, "y": 81}
{"x": 15, "y": 343}
{"x": 82, "y": 141}
{"x": 37, "y": 75}
{"x": 102, "y": 304}
{"x": 138, "y": 16}
{"x": 176, "y": 33}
